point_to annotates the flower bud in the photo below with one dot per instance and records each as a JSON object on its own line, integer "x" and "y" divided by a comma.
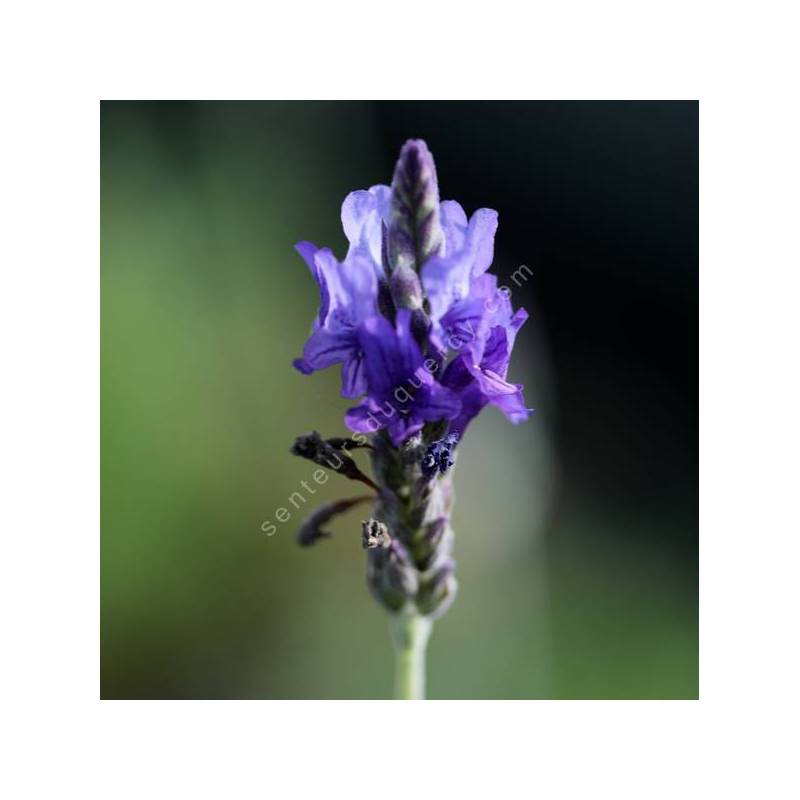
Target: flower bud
{"x": 437, "y": 592}
{"x": 415, "y": 232}
{"x": 391, "y": 575}
{"x": 436, "y": 539}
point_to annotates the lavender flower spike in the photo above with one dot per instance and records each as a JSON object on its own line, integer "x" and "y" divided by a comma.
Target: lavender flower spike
{"x": 424, "y": 336}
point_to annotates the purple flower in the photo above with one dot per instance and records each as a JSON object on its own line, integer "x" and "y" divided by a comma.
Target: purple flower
{"x": 364, "y": 215}
{"x": 403, "y": 394}
{"x": 348, "y": 292}
{"x": 458, "y": 292}
{"x": 478, "y": 376}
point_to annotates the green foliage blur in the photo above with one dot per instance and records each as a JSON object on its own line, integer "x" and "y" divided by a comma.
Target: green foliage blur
{"x": 204, "y": 305}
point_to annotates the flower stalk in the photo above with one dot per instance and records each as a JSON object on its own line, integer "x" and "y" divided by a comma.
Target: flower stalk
{"x": 410, "y": 633}
{"x": 424, "y": 336}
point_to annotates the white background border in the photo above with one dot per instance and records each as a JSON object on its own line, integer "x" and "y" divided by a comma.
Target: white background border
{"x": 739, "y": 60}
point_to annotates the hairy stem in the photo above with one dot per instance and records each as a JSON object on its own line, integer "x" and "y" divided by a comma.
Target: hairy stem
{"x": 410, "y": 633}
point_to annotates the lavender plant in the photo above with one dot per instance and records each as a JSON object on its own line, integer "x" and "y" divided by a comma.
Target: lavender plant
{"x": 424, "y": 336}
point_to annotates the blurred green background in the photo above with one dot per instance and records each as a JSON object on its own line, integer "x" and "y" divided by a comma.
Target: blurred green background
{"x": 577, "y": 580}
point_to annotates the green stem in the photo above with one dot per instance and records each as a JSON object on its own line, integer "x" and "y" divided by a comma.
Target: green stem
{"x": 410, "y": 633}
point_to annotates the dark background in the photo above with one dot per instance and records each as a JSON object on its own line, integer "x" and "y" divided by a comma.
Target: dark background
{"x": 578, "y": 555}
{"x": 601, "y": 200}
